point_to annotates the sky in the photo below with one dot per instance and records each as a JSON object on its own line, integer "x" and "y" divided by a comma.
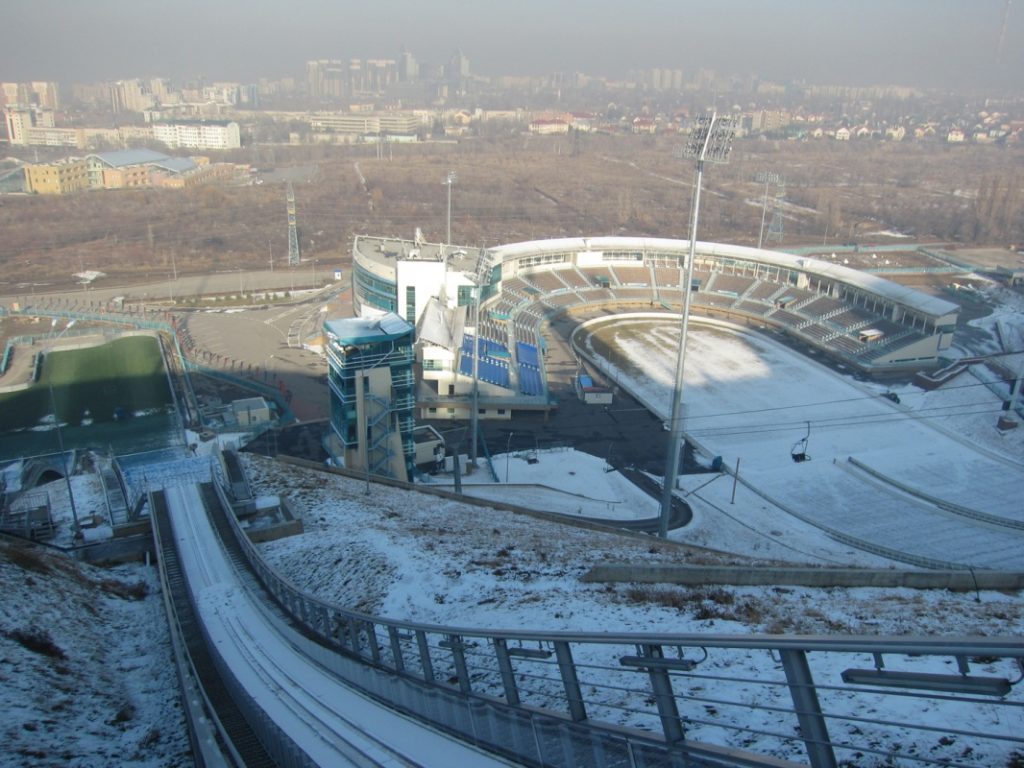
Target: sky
{"x": 950, "y": 44}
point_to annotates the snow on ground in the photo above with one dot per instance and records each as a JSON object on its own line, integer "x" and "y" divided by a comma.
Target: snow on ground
{"x": 560, "y": 480}
{"x": 409, "y": 556}
{"x": 85, "y": 673}
{"x": 749, "y": 398}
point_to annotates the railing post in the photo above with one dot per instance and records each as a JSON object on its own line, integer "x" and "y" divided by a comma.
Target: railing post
{"x": 664, "y": 697}
{"x": 813, "y": 729}
{"x": 508, "y": 678}
{"x": 396, "y": 649}
{"x": 459, "y": 657}
{"x": 573, "y": 694}
{"x": 428, "y": 668}
{"x": 352, "y": 627}
{"x": 371, "y": 640}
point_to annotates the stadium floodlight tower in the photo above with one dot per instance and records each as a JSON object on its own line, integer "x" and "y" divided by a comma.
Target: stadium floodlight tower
{"x": 710, "y": 141}
{"x": 450, "y": 179}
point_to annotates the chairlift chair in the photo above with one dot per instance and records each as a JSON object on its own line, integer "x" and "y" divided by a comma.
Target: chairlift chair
{"x": 799, "y": 450}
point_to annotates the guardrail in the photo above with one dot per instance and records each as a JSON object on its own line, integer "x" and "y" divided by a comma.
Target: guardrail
{"x": 645, "y": 699}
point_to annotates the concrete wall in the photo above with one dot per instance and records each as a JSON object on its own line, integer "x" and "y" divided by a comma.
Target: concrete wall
{"x": 963, "y": 580}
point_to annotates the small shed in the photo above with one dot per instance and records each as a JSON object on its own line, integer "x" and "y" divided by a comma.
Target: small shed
{"x": 251, "y": 411}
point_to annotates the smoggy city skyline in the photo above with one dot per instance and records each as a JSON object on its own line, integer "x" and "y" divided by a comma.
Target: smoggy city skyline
{"x": 944, "y": 44}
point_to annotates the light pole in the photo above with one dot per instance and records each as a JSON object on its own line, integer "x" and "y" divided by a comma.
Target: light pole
{"x": 508, "y": 447}
{"x": 710, "y": 141}
{"x": 450, "y": 179}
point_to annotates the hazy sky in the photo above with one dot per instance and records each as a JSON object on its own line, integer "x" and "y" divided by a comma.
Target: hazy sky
{"x": 931, "y": 43}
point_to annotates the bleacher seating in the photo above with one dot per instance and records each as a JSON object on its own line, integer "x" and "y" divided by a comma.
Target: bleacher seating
{"x": 847, "y": 345}
{"x": 573, "y": 278}
{"x": 752, "y": 307}
{"x": 546, "y": 282}
{"x": 785, "y": 318}
{"x": 704, "y": 279}
{"x": 527, "y": 354}
{"x": 737, "y": 284}
{"x": 763, "y": 291}
{"x": 598, "y": 275}
{"x": 626, "y": 293}
{"x": 563, "y": 300}
{"x": 634, "y": 276}
{"x": 822, "y": 306}
{"x": 817, "y": 332}
{"x": 493, "y": 366}
{"x": 530, "y": 382}
{"x": 853, "y": 317}
{"x": 668, "y": 277}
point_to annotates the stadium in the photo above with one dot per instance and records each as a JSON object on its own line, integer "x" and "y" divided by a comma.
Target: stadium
{"x": 859, "y": 319}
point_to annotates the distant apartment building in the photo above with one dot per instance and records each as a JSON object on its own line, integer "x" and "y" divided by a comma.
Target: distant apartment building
{"x": 38, "y": 93}
{"x": 131, "y": 96}
{"x": 122, "y": 169}
{"x": 365, "y": 124}
{"x": 198, "y": 134}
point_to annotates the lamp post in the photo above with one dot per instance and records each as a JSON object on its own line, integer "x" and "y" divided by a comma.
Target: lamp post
{"x": 450, "y": 179}
{"x": 710, "y": 141}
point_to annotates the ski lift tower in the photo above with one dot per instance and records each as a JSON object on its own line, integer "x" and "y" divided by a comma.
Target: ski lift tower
{"x": 711, "y": 142}
{"x": 293, "y": 232}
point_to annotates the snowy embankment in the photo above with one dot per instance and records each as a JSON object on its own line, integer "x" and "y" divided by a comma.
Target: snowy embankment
{"x": 412, "y": 556}
{"x": 85, "y": 672}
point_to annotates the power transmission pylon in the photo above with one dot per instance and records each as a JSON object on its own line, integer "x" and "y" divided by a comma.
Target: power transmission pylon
{"x": 293, "y": 232}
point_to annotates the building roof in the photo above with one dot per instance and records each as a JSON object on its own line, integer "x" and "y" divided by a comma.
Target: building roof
{"x": 366, "y": 330}
{"x": 176, "y": 164}
{"x": 442, "y": 326}
{"x": 124, "y": 157}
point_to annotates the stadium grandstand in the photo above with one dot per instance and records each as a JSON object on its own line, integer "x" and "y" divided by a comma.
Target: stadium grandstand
{"x": 854, "y": 317}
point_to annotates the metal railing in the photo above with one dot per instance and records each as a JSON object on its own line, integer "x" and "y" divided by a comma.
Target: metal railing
{"x": 646, "y": 699}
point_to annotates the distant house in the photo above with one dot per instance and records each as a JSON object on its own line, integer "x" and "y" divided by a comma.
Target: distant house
{"x": 644, "y": 125}
{"x": 842, "y": 134}
{"x": 545, "y": 127}
{"x": 955, "y": 136}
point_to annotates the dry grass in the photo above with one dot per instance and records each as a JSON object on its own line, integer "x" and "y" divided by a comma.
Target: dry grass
{"x": 513, "y": 190}
{"x": 38, "y": 641}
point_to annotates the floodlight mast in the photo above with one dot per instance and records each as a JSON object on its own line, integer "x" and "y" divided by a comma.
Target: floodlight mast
{"x": 450, "y": 179}
{"x": 710, "y": 141}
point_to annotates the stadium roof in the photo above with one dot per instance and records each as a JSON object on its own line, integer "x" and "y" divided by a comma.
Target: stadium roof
{"x": 879, "y": 286}
{"x": 124, "y": 157}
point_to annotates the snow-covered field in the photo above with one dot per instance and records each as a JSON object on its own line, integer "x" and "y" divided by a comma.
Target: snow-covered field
{"x": 750, "y": 399}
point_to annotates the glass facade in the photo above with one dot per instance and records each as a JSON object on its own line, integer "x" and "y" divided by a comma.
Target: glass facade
{"x": 386, "y": 413}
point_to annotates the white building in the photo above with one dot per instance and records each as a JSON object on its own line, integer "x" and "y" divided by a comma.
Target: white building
{"x": 199, "y": 134}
